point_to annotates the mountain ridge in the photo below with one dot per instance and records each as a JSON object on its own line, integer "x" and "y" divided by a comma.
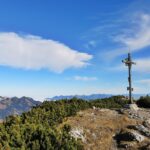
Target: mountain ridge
{"x": 15, "y": 105}
{"x": 85, "y": 97}
{"x": 90, "y": 97}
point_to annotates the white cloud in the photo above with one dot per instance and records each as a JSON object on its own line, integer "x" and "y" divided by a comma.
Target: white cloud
{"x": 34, "y": 52}
{"x": 84, "y": 78}
{"x": 136, "y": 38}
{"x": 141, "y": 38}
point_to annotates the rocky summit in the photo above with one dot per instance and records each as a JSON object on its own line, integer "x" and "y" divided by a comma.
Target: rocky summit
{"x": 112, "y": 129}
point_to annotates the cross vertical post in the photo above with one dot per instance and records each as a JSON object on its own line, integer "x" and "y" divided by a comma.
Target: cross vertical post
{"x": 128, "y": 62}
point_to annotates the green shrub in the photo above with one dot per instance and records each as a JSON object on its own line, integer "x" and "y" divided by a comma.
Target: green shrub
{"x": 112, "y": 102}
{"x": 38, "y": 128}
{"x": 144, "y": 102}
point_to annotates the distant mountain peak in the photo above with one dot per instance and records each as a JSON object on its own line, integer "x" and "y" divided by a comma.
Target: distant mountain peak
{"x": 85, "y": 97}
{"x": 15, "y": 105}
{"x": 90, "y": 97}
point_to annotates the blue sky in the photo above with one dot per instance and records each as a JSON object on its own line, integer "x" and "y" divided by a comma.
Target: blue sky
{"x": 55, "y": 47}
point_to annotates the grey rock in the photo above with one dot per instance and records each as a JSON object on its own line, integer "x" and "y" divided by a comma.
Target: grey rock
{"x": 147, "y": 123}
{"x": 138, "y": 137}
{"x": 143, "y": 130}
{"x": 130, "y": 136}
{"x": 133, "y": 107}
{"x": 78, "y": 133}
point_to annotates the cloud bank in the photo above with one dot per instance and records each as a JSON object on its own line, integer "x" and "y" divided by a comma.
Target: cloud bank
{"x": 34, "y": 52}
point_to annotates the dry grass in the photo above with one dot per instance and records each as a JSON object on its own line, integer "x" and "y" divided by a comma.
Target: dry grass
{"x": 99, "y": 127}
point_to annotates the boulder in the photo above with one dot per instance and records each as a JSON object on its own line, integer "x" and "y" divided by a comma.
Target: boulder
{"x": 147, "y": 123}
{"x": 138, "y": 137}
{"x": 130, "y": 135}
{"x": 133, "y": 107}
{"x": 78, "y": 133}
{"x": 143, "y": 130}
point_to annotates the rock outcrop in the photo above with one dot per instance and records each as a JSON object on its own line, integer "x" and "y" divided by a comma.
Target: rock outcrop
{"x": 117, "y": 129}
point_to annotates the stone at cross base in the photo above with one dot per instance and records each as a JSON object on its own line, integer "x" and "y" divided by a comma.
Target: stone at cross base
{"x": 132, "y": 107}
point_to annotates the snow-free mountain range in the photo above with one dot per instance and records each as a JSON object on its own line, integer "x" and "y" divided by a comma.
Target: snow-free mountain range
{"x": 16, "y": 106}
{"x": 85, "y": 97}
{"x": 90, "y": 97}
